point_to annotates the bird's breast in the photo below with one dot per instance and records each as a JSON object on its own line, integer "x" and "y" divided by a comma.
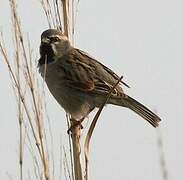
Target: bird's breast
{"x": 70, "y": 99}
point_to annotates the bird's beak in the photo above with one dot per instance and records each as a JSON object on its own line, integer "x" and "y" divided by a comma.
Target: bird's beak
{"x": 45, "y": 40}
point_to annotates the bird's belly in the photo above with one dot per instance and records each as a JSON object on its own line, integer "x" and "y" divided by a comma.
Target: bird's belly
{"x": 72, "y": 101}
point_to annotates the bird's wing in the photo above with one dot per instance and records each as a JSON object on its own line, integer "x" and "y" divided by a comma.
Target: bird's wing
{"x": 87, "y": 74}
{"x": 112, "y": 73}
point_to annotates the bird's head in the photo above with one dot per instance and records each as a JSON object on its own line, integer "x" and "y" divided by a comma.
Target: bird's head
{"x": 54, "y": 44}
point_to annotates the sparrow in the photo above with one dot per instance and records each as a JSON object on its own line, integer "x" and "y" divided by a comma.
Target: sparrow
{"x": 79, "y": 82}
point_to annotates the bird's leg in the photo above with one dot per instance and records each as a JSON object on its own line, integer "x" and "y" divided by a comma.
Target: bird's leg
{"x": 74, "y": 124}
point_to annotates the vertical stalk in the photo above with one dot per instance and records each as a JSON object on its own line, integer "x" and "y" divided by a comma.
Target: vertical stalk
{"x": 162, "y": 156}
{"x": 76, "y": 133}
{"x": 68, "y": 13}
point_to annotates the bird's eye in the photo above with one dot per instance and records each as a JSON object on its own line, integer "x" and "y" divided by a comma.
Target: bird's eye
{"x": 54, "y": 39}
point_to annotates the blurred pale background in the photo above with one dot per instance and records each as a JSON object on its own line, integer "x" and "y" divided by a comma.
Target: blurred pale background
{"x": 141, "y": 40}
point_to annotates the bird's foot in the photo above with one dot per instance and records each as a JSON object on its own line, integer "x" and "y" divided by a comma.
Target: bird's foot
{"x": 74, "y": 124}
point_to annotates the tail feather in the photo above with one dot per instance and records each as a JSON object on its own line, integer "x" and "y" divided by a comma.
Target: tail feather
{"x": 140, "y": 109}
{"x": 143, "y": 111}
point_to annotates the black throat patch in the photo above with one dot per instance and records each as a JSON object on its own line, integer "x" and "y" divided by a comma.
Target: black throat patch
{"x": 46, "y": 53}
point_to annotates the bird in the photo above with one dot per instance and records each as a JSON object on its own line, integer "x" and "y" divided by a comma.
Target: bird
{"x": 79, "y": 82}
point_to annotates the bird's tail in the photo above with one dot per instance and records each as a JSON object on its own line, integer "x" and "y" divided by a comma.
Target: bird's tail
{"x": 140, "y": 109}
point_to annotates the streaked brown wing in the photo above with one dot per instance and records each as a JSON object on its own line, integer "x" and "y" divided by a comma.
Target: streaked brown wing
{"x": 112, "y": 73}
{"x": 87, "y": 74}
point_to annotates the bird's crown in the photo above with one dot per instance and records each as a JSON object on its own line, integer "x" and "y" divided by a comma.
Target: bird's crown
{"x": 52, "y": 35}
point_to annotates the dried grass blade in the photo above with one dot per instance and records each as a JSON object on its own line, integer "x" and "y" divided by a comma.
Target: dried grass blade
{"x": 92, "y": 126}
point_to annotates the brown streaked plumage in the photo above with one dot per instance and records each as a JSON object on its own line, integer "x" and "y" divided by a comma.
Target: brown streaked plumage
{"x": 80, "y": 83}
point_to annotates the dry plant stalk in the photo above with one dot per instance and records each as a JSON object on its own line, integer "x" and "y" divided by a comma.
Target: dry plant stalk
{"x": 76, "y": 129}
{"x": 92, "y": 126}
{"x": 26, "y": 90}
{"x": 162, "y": 156}
{"x": 76, "y": 134}
{"x": 20, "y": 110}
